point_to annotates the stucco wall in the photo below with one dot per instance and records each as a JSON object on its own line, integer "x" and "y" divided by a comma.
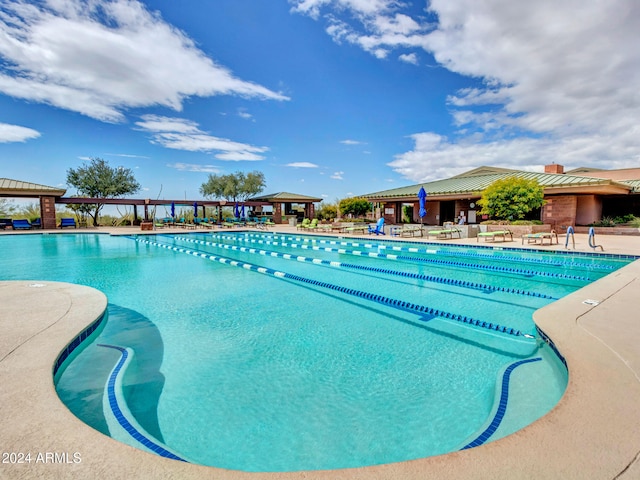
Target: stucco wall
{"x": 588, "y": 209}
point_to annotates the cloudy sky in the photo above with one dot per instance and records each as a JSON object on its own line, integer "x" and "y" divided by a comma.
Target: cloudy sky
{"x": 329, "y": 98}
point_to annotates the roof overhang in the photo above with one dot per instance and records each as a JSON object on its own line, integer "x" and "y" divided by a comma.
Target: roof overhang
{"x": 19, "y": 189}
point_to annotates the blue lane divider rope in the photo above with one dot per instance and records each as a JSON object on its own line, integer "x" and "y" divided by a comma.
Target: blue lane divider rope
{"x": 414, "y": 308}
{"x": 434, "y": 261}
{"x": 417, "y": 276}
{"x": 502, "y": 405}
{"x": 443, "y": 250}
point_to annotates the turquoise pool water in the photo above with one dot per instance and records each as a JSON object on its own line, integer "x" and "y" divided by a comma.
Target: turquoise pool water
{"x": 261, "y": 352}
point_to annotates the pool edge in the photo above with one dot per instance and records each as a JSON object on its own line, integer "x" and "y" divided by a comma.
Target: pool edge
{"x": 591, "y": 433}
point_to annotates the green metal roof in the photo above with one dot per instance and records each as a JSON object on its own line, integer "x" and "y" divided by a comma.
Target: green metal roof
{"x": 634, "y": 184}
{"x": 285, "y": 197}
{"x": 474, "y": 184}
{"x": 17, "y": 188}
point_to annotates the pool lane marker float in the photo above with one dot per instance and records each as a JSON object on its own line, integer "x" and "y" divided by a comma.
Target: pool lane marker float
{"x": 434, "y": 261}
{"x": 443, "y": 250}
{"x": 412, "y": 307}
{"x": 416, "y": 276}
{"x": 121, "y": 412}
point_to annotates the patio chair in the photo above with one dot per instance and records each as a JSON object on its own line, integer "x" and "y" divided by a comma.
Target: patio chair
{"x": 378, "y": 229}
{"x": 21, "y": 224}
{"x": 68, "y": 222}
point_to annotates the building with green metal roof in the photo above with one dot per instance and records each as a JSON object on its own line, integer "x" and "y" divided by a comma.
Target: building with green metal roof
{"x": 579, "y": 197}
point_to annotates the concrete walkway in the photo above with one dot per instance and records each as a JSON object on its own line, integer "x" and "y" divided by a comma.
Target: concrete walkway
{"x": 593, "y": 433}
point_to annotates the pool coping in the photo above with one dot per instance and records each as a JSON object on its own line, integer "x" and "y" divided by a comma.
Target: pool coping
{"x": 593, "y": 432}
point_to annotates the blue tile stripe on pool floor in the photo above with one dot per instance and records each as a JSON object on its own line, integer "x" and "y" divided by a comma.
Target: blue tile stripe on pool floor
{"x": 120, "y": 417}
{"x": 502, "y": 406}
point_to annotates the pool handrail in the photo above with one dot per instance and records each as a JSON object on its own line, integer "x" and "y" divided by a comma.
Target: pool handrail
{"x": 573, "y": 240}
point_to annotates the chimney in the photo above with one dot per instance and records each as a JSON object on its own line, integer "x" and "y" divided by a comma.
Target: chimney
{"x": 553, "y": 168}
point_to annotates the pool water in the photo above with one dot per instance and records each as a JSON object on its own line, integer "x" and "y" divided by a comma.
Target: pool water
{"x": 262, "y": 352}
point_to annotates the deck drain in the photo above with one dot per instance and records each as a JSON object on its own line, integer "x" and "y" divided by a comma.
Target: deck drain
{"x": 591, "y": 302}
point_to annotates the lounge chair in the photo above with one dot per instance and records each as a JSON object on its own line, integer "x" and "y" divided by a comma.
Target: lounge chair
{"x": 37, "y": 223}
{"x": 411, "y": 231}
{"x": 378, "y": 229}
{"x": 495, "y": 234}
{"x": 362, "y": 228}
{"x": 68, "y": 222}
{"x": 21, "y": 224}
{"x": 541, "y": 236}
{"x": 444, "y": 233}
{"x": 5, "y": 222}
{"x": 304, "y": 224}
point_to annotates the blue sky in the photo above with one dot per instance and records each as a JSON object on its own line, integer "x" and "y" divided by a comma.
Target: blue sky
{"x": 329, "y": 98}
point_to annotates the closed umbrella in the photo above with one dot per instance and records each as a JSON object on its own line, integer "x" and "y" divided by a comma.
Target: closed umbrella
{"x": 195, "y": 209}
{"x": 236, "y": 212}
{"x": 242, "y": 211}
{"x": 422, "y": 197}
{"x": 173, "y": 209}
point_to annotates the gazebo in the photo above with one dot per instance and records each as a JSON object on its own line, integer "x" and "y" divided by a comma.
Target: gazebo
{"x": 283, "y": 205}
{"x": 47, "y": 196}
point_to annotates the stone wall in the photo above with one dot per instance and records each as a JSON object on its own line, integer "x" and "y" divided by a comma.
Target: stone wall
{"x": 560, "y": 212}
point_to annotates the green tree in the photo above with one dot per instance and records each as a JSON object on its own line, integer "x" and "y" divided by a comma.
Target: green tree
{"x": 235, "y": 187}
{"x": 511, "y": 198}
{"x": 356, "y": 206}
{"x": 99, "y": 180}
{"x": 327, "y": 211}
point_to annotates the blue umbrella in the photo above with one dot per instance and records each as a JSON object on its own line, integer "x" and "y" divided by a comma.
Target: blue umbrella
{"x": 173, "y": 209}
{"x": 236, "y": 212}
{"x": 242, "y": 211}
{"x": 195, "y": 209}
{"x": 422, "y": 196}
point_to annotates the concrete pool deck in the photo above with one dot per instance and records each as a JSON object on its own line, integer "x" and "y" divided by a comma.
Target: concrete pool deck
{"x": 593, "y": 432}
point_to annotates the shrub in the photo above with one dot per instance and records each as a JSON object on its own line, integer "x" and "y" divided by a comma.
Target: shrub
{"x": 511, "y": 198}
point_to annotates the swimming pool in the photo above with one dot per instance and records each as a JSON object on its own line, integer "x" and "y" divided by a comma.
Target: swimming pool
{"x": 320, "y": 353}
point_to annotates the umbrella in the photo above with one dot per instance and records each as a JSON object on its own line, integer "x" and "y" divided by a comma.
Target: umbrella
{"x": 173, "y": 209}
{"x": 242, "y": 211}
{"x": 236, "y": 212}
{"x": 195, "y": 209}
{"x": 422, "y": 196}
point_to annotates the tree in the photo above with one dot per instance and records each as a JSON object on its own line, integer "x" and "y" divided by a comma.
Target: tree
{"x": 235, "y": 187}
{"x": 99, "y": 180}
{"x": 511, "y": 198}
{"x": 356, "y": 206}
{"x": 327, "y": 211}
{"x": 7, "y": 208}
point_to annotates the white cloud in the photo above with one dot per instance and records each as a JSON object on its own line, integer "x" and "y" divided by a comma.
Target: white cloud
{"x": 242, "y": 113}
{"x": 100, "y": 57}
{"x": 338, "y": 176}
{"x": 302, "y": 165}
{"x": 408, "y": 58}
{"x": 558, "y": 80}
{"x": 352, "y": 142}
{"x": 192, "y": 167}
{"x": 183, "y": 134}
{"x": 16, "y": 133}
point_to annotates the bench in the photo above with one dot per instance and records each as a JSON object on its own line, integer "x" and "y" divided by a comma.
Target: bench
{"x": 5, "y": 222}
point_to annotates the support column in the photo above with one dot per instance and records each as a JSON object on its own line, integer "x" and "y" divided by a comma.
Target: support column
{"x": 277, "y": 212}
{"x": 48, "y": 212}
